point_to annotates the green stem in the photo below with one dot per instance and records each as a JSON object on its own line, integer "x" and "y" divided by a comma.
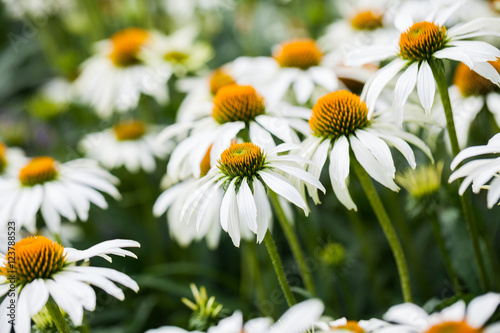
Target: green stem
{"x": 293, "y": 241}
{"x": 438, "y": 235}
{"x": 57, "y": 317}
{"x": 278, "y": 268}
{"x": 387, "y": 227}
{"x": 442, "y": 85}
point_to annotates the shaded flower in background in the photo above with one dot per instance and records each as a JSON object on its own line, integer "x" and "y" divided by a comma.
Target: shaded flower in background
{"x": 52, "y": 99}
{"x": 455, "y": 318}
{"x": 245, "y": 172}
{"x": 478, "y": 172}
{"x": 44, "y": 269}
{"x": 419, "y": 44}
{"x": 237, "y": 110}
{"x": 120, "y": 71}
{"x": 341, "y": 123}
{"x": 56, "y": 190}
{"x": 129, "y": 143}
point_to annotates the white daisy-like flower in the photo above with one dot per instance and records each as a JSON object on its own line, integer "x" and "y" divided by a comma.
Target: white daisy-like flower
{"x": 56, "y": 190}
{"x": 181, "y": 51}
{"x": 185, "y": 10}
{"x": 341, "y": 124}
{"x": 130, "y": 143}
{"x": 236, "y": 110}
{"x": 115, "y": 77}
{"x": 421, "y": 43}
{"x": 11, "y": 159}
{"x": 457, "y": 318}
{"x": 478, "y": 172}
{"x": 296, "y": 64}
{"x": 246, "y": 172}
{"x": 298, "y": 319}
{"x": 43, "y": 268}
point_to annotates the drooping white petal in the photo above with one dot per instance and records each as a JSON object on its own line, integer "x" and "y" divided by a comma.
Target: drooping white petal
{"x": 299, "y": 318}
{"x": 246, "y": 205}
{"x": 302, "y": 175}
{"x": 408, "y": 314}
{"x": 486, "y": 70}
{"x": 481, "y": 308}
{"x": 230, "y": 220}
{"x": 494, "y": 192}
{"x": 303, "y": 87}
{"x": 454, "y": 53}
{"x": 473, "y": 151}
{"x": 426, "y": 86}
{"x": 108, "y": 273}
{"x": 379, "y": 149}
{"x": 66, "y": 302}
{"x": 367, "y": 54}
{"x": 264, "y": 213}
{"x": 261, "y": 137}
{"x": 403, "y": 89}
{"x": 340, "y": 162}
{"x": 474, "y": 25}
{"x": 324, "y": 77}
{"x": 282, "y": 187}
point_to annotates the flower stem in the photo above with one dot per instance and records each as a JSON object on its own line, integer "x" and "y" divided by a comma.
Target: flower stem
{"x": 293, "y": 241}
{"x": 389, "y": 231}
{"x": 57, "y": 317}
{"x": 442, "y": 85}
{"x": 438, "y": 235}
{"x": 278, "y": 268}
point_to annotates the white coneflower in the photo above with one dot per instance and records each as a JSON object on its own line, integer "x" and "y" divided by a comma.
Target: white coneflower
{"x": 341, "y": 124}
{"x": 44, "y": 269}
{"x": 235, "y": 110}
{"x": 130, "y": 143}
{"x": 246, "y": 172}
{"x": 420, "y": 43}
{"x": 457, "y": 318}
{"x": 56, "y": 190}
{"x": 479, "y": 172}
{"x": 116, "y": 76}
{"x": 11, "y": 159}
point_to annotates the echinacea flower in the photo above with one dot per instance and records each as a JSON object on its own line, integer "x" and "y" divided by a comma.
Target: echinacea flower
{"x": 11, "y": 159}
{"x": 246, "y": 172}
{"x": 478, "y": 172}
{"x": 295, "y": 64}
{"x": 457, "y": 318}
{"x": 43, "y": 268}
{"x": 56, "y": 190}
{"x": 298, "y": 319}
{"x": 116, "y": 76}
{"x": 129, "y": 143}
{"x": 341, "y": 124}
{"x": 236, "y": 110}
{"x": 421, "y": 43}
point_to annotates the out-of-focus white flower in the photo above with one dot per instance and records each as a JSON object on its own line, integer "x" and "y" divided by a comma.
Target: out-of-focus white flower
{"x": 296, "y": 64}
{"x": 298, "y": 319}
{"x": 130, "y": 143}
{"x": 55, "y": 189}
{"x": 11, "y": 159}
{"x": 236, "y": 110}
{"x": 185, "y": 10}
{"x": 181, "y": 51}
{"x": 420, "y": 43}
{"x": 455, "y": 318}
{"x": 479, "y": 172}
{"x": 44, "y": 269}
{"x": 116, "y": 76}
{"x": 36, "y": 8}
{"x": 341, "y": 124}
{"x": 244, "y": 172}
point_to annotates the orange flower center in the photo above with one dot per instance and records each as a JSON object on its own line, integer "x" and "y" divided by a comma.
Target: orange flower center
{"x": 338, "y": 113}
{"x": 33, "y": 258}
{"x": 129, "y": 130}
{"x": 38, "y": 171}
{"x": 367, "y": 20}
{"x": 351, "y": 326}
{"x": 472, "y": 84}
{"x": 299, "y": 53}
{"x": 453, "y": 327}
{"x": 3, "y": 158}
{"x": 421, "y": 40}
{"x": 219, "y": 79}
{"x": 495, "y": 5}
{"x": 205, "y": 163}
{"x": 241, "y": 160}
{"x": 126, "y": 46}
{"x": 237, "y": 103}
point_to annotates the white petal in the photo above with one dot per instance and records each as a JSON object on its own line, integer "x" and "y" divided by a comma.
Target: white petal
{"x": 66, "y": 302}
{"x": 494, "y": 192}
{"x": 408, "y": 314}
{"x": 324, "y": 77}
{"x": 261, "y": 137}
{"x": 340, "y": 162}
{"x": 299, "y": 318}
{"x": 474, "y": 25}
{"x": 246, "y": 205}
{"x": 303, "y": 88}
{"x": 229, "y": 214}
{"x": 486, "y": 70}
{"x": 282, "y": 187}
{"x": 367, "y": 54}
{"x": 403, "y": 89}
{"x": 379, "y": 149}
{"x": 426, "y": 86}
{"x": 264, "y": 213}
{"x": 481, "y": 308}
{"x": 473, "y": 151}
{"x": 302, "y": 175}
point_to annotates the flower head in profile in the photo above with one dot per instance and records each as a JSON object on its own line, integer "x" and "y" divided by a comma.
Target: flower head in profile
{"x": 237, "y": 112}
{"x": 480, "y": 171}
{"x": 129, "y": 143}
{"x": 457, "y": 318}
{"x": 341, "y": 125}
{"x": 115, "y": 77}
{"x": 56, "y": 190}
{"x": 245, "y": 172}
{"x": 44, "y": 269}
{"x": 420, "y": 44}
